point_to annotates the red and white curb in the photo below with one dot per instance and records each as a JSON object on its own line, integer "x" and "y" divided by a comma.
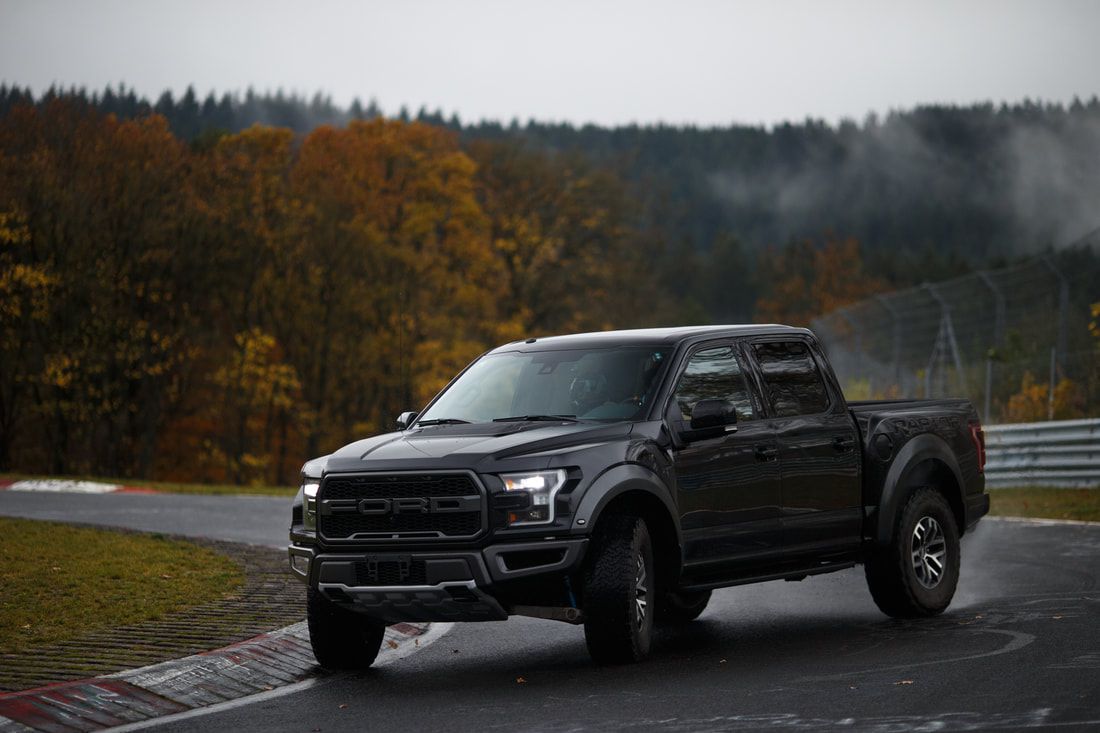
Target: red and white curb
{"x": 188, "y": 686}
{"x": 71, "y": 486}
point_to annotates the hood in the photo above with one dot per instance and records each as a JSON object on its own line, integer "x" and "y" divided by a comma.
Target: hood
{"x": 467, "y": 446}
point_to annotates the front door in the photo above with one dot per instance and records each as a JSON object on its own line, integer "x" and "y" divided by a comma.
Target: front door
{"x": 728, "y": 486}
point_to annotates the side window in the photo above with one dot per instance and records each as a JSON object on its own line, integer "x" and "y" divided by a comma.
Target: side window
{"x": 713, "y": 374}
{"x": 792, "y": 378}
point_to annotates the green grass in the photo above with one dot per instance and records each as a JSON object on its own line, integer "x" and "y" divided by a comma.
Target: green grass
{"x": 61, "y": 581}
{"x": 1046, "y": 503}
{"x": 171, "y": 487}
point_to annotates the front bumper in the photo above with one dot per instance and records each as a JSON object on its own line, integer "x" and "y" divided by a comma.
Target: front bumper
{"x": 431, "y": 585}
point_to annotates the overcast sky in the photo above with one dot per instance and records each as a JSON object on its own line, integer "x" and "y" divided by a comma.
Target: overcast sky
{"x": 755, "y": 61}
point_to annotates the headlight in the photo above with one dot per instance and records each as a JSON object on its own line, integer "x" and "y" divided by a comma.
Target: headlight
{"x": 542, "y": 487}
{"x": 309, "y": 497}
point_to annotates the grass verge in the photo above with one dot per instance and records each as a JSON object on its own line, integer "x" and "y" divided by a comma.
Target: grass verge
{"x": 60, "y": 581}
{"x": 170, "y": 486}
{"x": 1046, "y": 503}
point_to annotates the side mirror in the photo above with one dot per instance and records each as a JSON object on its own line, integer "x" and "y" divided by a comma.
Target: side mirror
{"x": 713, "y": 414}
{"x": 710, "y": 419}
{"x": 405, "y": 419}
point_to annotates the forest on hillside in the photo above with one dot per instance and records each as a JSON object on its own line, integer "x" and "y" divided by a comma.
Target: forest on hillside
{"x": 215, "y": 290}
{"x": 220, "y": 311}
{"x": 937, "y": 188}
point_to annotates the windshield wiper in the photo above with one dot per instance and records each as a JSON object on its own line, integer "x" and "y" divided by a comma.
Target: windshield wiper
{"x": 538, "y": 418}
{"x": 443, "y": 421}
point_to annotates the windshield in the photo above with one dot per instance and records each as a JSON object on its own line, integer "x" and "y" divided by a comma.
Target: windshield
{"x": 584, "y": 384}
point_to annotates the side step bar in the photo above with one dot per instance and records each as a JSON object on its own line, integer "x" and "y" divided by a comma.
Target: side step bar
{"x": 797, "y": 574}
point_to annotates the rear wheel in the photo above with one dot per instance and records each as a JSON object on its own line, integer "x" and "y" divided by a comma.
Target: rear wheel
{"x": 341, "y": 639}
{"x": 619, "y": 591}
{"x": 916, "y": 574}
{"x": 680, "y": 607}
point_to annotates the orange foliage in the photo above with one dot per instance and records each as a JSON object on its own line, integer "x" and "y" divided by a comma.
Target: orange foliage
{"x": 1032, "y": 402}
{"x": 223, "y": 310}
{"x": 810, "y": 280}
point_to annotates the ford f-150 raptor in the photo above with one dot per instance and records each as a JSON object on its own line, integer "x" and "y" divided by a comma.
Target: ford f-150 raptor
{"x": 614, "y": 479}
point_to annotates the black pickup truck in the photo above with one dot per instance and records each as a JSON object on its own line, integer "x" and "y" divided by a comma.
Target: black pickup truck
{"x": 614, "y": 479}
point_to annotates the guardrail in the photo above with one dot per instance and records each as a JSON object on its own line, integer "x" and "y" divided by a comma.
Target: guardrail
{"x": 1058, "y": 453}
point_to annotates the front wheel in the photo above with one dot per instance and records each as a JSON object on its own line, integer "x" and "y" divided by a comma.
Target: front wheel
{"x": 619, "y": 591}
{"x": 341, "y": 638}
{"x": 916, "y": 574}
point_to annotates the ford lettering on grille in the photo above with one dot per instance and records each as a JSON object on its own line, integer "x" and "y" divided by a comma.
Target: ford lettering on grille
{"x": 400, "y": 506}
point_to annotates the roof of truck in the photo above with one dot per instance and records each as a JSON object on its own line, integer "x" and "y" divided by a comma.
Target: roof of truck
{"x": 646, "y": 336}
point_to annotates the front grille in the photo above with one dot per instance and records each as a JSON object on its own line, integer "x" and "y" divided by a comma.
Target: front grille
{"x": 400, "y": 506}
{"x": 391, "y": 572}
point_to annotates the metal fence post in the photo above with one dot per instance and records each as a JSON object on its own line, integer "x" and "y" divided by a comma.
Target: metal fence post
{"x": 998, "y": 308}
{"x": 858, "y": 333}
{"x": 1063, "y": 306}
{"x": 946, "y": 338}
{"x": 1050, "y": 392}
{"x": 988, "y": 387}
{"x": 896, "y": 321}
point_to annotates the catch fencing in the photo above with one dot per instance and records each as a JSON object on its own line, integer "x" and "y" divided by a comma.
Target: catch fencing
{"x": 1060, "y": 453}
{"x": 1015, "y": 341}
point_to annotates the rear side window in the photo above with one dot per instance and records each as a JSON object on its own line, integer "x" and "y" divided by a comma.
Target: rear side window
{"x": 713, "y": 374}
{"x": 792, "y": 378}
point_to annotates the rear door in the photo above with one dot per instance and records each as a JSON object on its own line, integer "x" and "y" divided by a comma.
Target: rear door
{"x": 727, "y": 486}
{"x": 819, "y": 456}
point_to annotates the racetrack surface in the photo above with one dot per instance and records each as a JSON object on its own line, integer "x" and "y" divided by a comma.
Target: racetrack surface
{"x": 1019, "y": 647}
{"x": 255, "y": 520}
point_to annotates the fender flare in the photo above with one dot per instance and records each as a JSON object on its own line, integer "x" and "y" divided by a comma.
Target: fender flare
{"x": 615, "y": 482}
{"x": 919, "y": 449}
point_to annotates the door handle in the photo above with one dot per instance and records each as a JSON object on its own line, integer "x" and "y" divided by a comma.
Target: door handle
{"x": 766, "y": 453}
{"x": 843, "y": 445}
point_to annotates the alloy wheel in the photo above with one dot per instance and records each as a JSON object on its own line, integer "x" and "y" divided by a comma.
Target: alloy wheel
{"x": 928, "y": 548}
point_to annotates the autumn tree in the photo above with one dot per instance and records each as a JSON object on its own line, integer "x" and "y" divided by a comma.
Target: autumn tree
{"x": 244, "y": 405}
{"x": 104, "y": 204}
{"x": 261, "y": 392}
{"x": 1033, "y": 403}
{"x": 807, "y": 280}
{"x": 395, "y": 287}
{"x": 559, "y": 228}
{"x": 25, "y": 292}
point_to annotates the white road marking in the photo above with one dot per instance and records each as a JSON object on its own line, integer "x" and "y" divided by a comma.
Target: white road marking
{"x": 63, "y": 486}
{"x": 1040, "y": 521}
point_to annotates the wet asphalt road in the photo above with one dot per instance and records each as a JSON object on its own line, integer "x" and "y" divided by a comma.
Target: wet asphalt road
{"x": 255, "y": 520}
{"x": 1019, "y": 647}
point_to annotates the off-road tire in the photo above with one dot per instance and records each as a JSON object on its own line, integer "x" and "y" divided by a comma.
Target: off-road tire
{"x": 341, "y": 639}
{"x": 891, "y": 573}
{"x": 681, "y": 607}
{"x": 616, "y": 631}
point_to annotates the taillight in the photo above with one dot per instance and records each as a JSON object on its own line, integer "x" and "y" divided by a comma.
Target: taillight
{"x": 978, "y": 436}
